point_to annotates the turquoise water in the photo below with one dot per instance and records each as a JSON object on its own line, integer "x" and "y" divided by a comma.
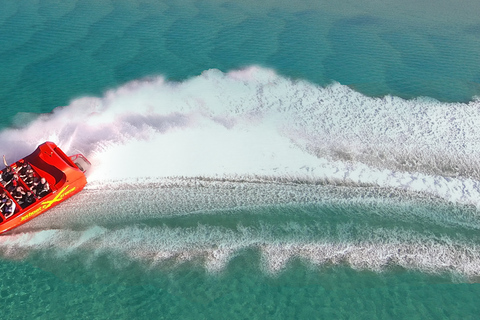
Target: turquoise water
{"x": 305, "y": 160}
{"x": 240, "y": 292}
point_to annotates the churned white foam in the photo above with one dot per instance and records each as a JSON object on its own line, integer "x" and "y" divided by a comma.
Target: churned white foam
{"x": 123, "y": 203}
{"x": 216, "y": 246}
{"x": 427, "y": 257}
{"x": 254, "y": 123}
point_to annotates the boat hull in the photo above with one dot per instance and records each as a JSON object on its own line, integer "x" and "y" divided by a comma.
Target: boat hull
{"x": 63, "y": 176}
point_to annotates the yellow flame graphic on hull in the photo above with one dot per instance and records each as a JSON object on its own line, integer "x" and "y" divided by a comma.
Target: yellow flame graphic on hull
{"x": 47, "y": 204}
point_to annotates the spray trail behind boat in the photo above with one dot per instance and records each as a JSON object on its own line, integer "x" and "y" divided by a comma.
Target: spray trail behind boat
{"x": 163, "y": 149}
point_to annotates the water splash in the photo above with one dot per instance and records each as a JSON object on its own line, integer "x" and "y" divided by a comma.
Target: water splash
{"x": 253, "y": 122}
{"x": 253, "y": 138}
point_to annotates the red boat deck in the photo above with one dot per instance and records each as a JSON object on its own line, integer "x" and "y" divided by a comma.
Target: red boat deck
{"x": 65, "y": 176}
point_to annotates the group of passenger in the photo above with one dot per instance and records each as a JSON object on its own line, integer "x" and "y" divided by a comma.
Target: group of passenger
{"x": 10, "y": 179}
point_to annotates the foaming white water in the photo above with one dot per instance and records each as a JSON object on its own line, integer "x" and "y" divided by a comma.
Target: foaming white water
{"x": 124, "y": 203}
{"x": 215, "y": 247}
{"x": 253, "y": 122}
{"x": 427, "y": 257}
{"x": 134, "y": 221}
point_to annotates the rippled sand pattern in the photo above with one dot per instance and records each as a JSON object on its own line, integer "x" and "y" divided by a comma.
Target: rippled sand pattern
{"x": 51, "y": 52}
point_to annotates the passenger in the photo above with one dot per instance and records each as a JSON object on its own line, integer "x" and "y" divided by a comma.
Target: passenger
{"x": 41, "y": 188}
{"x": 30, "y": 180}
{"x": 13, "y": 184}
{"x": 24, "y": 170}
{"x": 28, "y": 199}
{"x": 3, "y": 199}
{"x": 18, "y": 194}
{"x": 7, "y": 175}
{"x": 8, "y": 209}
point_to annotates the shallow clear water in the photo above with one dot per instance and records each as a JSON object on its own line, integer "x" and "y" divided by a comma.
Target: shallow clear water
{"x": 242, "y": 291}
{"x": 305, "y": 160}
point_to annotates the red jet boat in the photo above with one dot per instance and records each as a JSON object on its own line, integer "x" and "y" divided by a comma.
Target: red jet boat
{"x": 65, "y": 176}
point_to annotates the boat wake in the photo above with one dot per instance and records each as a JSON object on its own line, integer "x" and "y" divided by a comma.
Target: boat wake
{"x": 222, "y": 144}
{"x": 253, "y": 122}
